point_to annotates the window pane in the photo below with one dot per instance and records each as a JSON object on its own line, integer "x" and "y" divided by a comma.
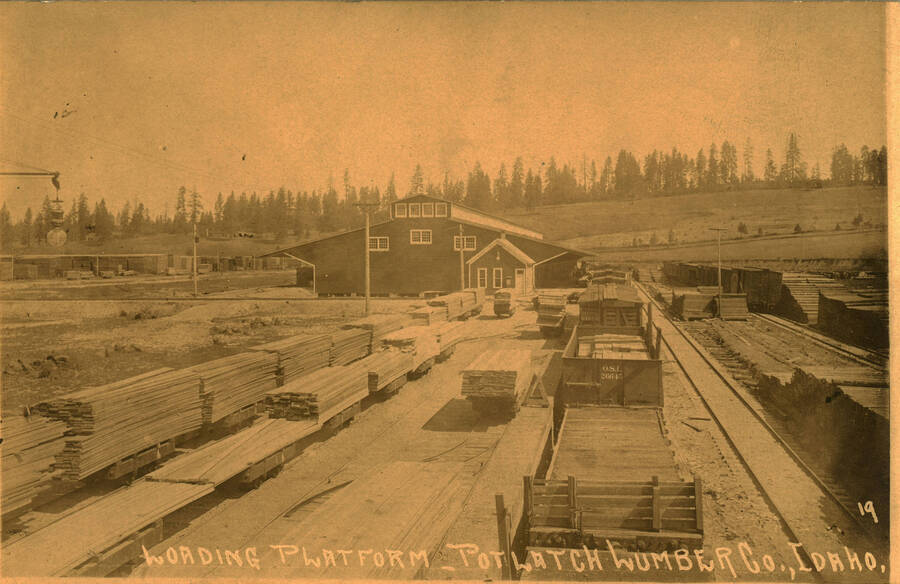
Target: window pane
{"x": 427, "y": 210}
{"x": 413, "y": 209}
{"x": 440, "y": 209}
{"x": 400, "y": 210}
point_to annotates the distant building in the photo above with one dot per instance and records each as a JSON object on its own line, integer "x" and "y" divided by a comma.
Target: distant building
{"x": 418, "y": 249}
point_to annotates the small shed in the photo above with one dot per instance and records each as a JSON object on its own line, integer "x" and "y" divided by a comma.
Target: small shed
{"x": 501, "y": 264}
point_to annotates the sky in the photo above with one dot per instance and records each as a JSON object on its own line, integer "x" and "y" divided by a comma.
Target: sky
{"x": 132, "y": 100}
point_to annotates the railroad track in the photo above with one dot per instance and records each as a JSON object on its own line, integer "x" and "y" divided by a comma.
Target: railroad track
{"x": 876, "y": 359}
{"x": 756, "y": 443}
{"x": 740, "y": 370}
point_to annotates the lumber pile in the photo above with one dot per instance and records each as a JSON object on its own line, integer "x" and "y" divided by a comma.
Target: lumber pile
{"x": 449, "y": 333}
{"x": 457, "y": 303}
{"x": 477, "y": 295}
{"x": 383, "y": 367}
{"x": 551, "y": 309}
{"x": 107, "y": 424}
{"x": 418, "y": 340}
{"x": 234, "y": 382}
{"x": 319, "y": 394}
{"x": 429, "y": 315}
{"x": 502, "y": 374}
{"x": 348, "y": 345}
{"x": 734, "y": 307}
{"x": 299, "y": 354}
{"x": 30, "y": 446}
{"x": 380, "y": 325}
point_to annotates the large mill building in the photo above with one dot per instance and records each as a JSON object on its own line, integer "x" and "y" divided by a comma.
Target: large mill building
{"x": 433, "y": 244}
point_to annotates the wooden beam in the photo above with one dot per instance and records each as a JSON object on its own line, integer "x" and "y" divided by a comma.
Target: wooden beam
{"x": 698, "y": 501}
{"x": 503, "y": 528}
{"x": 657, "y": 510}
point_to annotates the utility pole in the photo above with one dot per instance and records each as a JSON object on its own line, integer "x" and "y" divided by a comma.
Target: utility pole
{"x": 462, "y": 259}
{"x": 719, "y": 231}
{"x": 195, "y": 275}
{"x": 366, "y": 207}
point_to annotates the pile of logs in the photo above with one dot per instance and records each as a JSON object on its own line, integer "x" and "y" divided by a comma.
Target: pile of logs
{"x": 380, "y": 325}
{"x": 502, "y": 375}
{"x": 418, "y": 340}
{"x": 109, "y": 423}
{"x": 231, "y": 383}
{"x": 348, "y": 345}
{"x": 30, "y": 446}
{"x": 299, "y": 354}
{"x": 319, "y": 394}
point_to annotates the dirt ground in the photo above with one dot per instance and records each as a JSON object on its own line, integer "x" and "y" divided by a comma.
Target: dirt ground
{"x": 53, "y": 347}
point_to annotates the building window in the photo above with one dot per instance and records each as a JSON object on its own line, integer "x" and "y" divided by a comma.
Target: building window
{"x": 440, "y": 209}
{"x": 498, "y": 277}
{"x": 427, "y": 209}
{"x": 414, "y": 210}
{"x": 400, "y": 210}
{"x": 379, "y": 244}
{"x": 466, "y": 242}
{"x": 482, "y": 277}
{"x": 420, "y": 236}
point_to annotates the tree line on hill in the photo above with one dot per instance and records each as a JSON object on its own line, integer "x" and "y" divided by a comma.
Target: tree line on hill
{"x": 303, "y": 213}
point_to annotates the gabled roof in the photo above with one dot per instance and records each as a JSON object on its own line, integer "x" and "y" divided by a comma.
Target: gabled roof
{"x": 474, "y": 213}
{"x": 506, "y": 245}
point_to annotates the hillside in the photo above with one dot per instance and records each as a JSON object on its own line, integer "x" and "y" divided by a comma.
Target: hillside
{"x": 775, "y": 211}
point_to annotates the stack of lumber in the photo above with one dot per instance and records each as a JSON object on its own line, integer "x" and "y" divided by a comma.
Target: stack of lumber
{"x": 299, "y": 354}
{"x": 383, "y": 367}
{"x": 449, "y": 333}
{"x": 30, "y": 446}
{"x": 734, "y": 307}
{"x": 477, "y": 294}
{"x": 429, "y": 315}
{"x": 348, "y": 345}
{"x": 418, "y": 340}
{"x": 551, "y": 308}
{"x": 692, "y": 305}
{"x": 319, "y": 394}
{"x": 380, "y": 325}
{"x": 457, "y": 303}
{"x": 502, "y": 374}
{"x": 231, "y": 383}
{"x": 109, "y": 423}
{"x": 611, "y": 346}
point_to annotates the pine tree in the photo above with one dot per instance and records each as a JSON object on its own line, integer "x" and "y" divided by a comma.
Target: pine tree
{"x": 390, "y": 194}
{"x": 793, "y": 170}
{"x": 417, "y": 182}
{"x": 770, "y": 174}
{"x": 517, "y": 184}
{"x": 6, "y": 228}
{"x": 501, "y": 189}
{"x": 219, "y": 210}
{"x": 712, "y": 168}
{"x": 700, "y": 170}
{"x": 195, "y": 206}
{"x": 747, "y": 174}
{"x": 478, "y": 188}
{"x": 606, "y": 177}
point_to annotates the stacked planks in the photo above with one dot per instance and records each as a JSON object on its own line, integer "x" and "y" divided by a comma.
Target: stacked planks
{"x": 734, "y": 307}
{"x": 429, "y": 315}
{"x": 502, "y": 374}
{"x": 299, "y": 354}
{"x": 107, "y": 424}
{"x": 231, "y": 383}
{"x": 477, "y": 295}
{"x": 348, "y": 345}
{"x": 457, "y": 303}
{"x": 418, "y": 340}
{"x": 380, "y": 325}
{"x": 448, "y": 334}
{"x": 30, "y": 446}
{"x": 319, "y": 394}
{"x": 383, "y": 367}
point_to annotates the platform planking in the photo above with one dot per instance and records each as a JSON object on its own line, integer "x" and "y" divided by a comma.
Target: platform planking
{"x": 404, "y": 506}
{"x": 612, "y": 444}
{"x": 216, "y": 462}
{"x": 517, "y": 453}
{"x": 77, "y": 537}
